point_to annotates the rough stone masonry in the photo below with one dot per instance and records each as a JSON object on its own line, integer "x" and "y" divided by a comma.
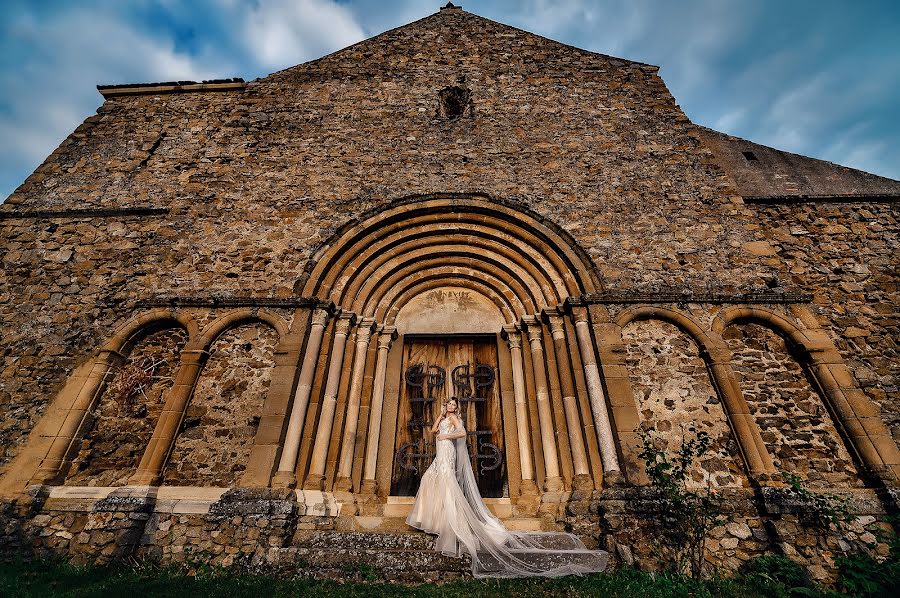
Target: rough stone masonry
{"x": 203, "y": 294}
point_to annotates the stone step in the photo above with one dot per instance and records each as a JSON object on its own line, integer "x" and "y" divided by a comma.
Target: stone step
{"x": 388, "y": 564}
{"x": 363, "y": 540}
{"x": 399, "y": 525}
{"x": 393, "y": 556}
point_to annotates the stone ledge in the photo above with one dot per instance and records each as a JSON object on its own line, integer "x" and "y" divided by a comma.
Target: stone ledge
{"x": 289, "y": 302}
{"x": 689, "y": 296}
{"x": 86, "y": 213}
{"x": 112, "y": 91}
{"x": 842, "y": 198}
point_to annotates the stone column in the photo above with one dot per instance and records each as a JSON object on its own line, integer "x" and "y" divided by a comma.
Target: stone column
{"x": 595, "y": 393}
{"x": 348, "y": 442}
{"x": 315, "y": 479}
{"x": 518, "y": 375}
{"x": 150, "y": 469}
{"x": 623, "y": 411}
{"x": 386, "y": 336}
{"x": 570, "y": 405}
{"x": 553, "y": 481}
{"x": 90, "y": 391}
{"x": 286, "y": 478}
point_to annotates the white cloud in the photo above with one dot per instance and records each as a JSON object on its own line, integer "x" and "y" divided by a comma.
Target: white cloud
{"x": 66, "y": 54}
{"x": 281, "y": 33}
{"x": 66, "y": 57}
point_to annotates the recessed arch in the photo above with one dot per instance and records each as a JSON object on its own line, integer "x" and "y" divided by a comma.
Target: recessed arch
{"x": 684, "y": 322}
{"x": 505, "y": 284}
{"x": 419, "y": 238}
{"x": 767, "y": 318}
{"x": 156, "y": 318}
{"x": 380, "y": 308}
{"x": 510, "y": 312}
{"x": 220, "y": 325}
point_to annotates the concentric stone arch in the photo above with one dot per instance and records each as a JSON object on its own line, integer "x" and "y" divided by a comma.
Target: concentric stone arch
{"x": 527, "y": 266}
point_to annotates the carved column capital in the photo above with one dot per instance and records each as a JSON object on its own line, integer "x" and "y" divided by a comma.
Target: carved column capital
{"x": 511, "y": 334}
{"x": 320, "y": 316}
{"x": 345, "y": 321}
{"x": 556, "y": 327}
{"x": 532, "y": 326}
{"x": 580, "y": 314}
{"x": 386, "y": 335}
{"x": 365, "y": 329}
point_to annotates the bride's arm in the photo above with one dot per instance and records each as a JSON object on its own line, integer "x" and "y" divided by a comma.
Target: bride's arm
{"x": 437, "y": 423}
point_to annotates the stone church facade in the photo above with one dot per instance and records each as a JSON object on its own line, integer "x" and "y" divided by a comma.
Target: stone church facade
{"x": 230, "y": 311}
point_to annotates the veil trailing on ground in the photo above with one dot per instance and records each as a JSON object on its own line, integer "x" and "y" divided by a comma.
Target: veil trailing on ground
{"x": 498, "y": 552}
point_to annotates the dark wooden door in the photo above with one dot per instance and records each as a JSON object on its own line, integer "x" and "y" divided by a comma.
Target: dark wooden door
{"x": 437, "y": 368}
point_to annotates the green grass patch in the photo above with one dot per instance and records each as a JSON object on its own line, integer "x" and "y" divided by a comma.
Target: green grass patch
{"x": 769, "y": 577}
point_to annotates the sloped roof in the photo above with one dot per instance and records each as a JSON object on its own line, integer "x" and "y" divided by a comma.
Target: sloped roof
{"x": 766, "y": 172}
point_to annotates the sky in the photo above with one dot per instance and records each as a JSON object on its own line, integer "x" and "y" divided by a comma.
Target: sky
{"x": 819, "y": 78}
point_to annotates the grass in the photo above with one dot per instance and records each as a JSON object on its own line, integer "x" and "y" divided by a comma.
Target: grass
{"x": 56, "y": 578}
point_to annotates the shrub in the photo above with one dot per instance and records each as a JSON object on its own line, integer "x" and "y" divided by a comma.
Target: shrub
{"x": 686, "y": 516}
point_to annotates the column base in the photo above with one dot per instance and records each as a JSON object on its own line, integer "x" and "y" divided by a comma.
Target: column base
{"x": 343, "y": 485}
{"x": 47, "y": 476}
{"x": 284, "y": 479}
{"x": 144, "y": 478}
{"x": 582, "y": 487}
{"x": 613, "y": 477}
{"x": 314, "y": 482}
{"x": 554, "y": 484}
{"x": 369, "y": 487}
{"x": 774, "y": 480}
{"x": 529, "y": 501}
{"x": 529, "y": 488}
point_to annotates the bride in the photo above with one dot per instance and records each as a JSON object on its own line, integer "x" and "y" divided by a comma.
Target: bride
{"x": 449, "y": 504}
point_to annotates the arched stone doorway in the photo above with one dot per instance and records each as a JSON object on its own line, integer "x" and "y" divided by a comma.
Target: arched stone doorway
{"x": 450, "y": 349}
{"x": 461, "y": 279}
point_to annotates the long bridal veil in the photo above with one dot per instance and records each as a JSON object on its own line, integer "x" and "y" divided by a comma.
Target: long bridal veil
{"x": 498, "y": 552}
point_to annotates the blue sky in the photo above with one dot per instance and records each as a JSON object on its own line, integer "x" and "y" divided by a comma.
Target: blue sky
{"x": 820, "y": 78}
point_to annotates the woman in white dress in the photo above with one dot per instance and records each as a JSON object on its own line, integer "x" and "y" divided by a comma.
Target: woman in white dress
{"x": 449, "y": 504}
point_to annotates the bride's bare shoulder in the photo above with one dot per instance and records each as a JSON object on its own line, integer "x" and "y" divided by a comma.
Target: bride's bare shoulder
{"x": 454, "y": 419}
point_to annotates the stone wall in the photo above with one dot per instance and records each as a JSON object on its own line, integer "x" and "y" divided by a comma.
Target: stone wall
{"x": 773, "y": 522}
{"x": 674, "y": 395}
{"x": 123, "y": 420}
{"x": 256, "y": 179}
{"x": 846, "y": 255}
{"x": 793, "y": 419}
{"x": 283, "y": 532}
{"x": 248, "y": 184}
{"x": 217, "y": 432}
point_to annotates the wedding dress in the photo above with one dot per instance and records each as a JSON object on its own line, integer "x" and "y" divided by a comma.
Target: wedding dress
{"x": 449, "y": 504}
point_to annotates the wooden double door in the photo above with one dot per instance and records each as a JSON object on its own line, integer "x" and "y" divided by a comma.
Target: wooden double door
{"x": 435, "y": 369}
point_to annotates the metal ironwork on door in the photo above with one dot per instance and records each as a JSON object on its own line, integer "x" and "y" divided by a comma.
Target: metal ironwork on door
{"x": 425, "y": 386}
{"x": 471, "y": 386}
